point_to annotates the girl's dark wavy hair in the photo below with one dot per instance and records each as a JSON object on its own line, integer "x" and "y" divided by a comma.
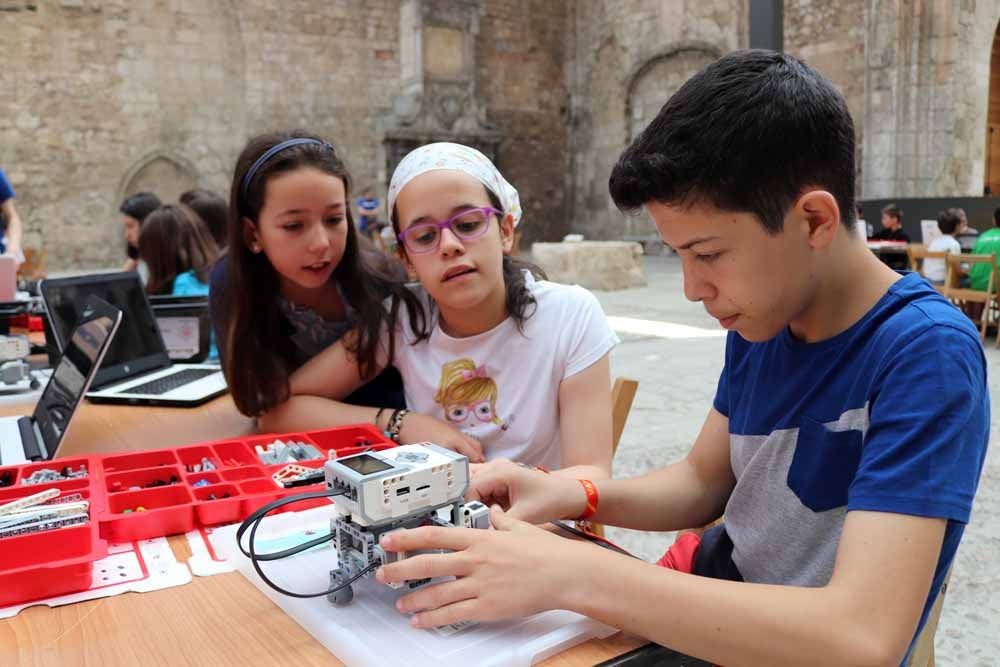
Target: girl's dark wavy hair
{"x": 520, "y": 303}
{"x": 259, "y": 353}
{"x": 174, "y": 240}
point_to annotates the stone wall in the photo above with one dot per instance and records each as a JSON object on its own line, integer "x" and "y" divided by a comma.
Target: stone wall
{"x": 830, "y": 38}
{"x": 102, "y": 98}
{"x": 927, "y": 85}
{"x": 629, "y": 57}
{"x": 521, "y": 57}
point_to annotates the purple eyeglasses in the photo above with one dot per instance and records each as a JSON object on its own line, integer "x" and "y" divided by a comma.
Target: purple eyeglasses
{"x": 467, "y": 225}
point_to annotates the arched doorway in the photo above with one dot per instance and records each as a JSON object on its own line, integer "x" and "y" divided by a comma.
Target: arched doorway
{"x": 165, "y": 176}
{"x": 992, "y": 171}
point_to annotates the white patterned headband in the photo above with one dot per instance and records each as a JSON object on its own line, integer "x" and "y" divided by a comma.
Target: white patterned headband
{"x": 455, "y": 157}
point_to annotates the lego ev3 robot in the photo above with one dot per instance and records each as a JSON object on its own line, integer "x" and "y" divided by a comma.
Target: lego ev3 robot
{"x": 403, "y": 487}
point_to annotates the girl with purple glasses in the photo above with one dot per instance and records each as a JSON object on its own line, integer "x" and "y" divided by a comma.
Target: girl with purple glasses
{"x": 516, "y": 364}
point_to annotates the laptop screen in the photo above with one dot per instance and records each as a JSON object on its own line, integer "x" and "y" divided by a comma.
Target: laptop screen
{"x": 137, "y": 347}
{"x": 72, "y": 376}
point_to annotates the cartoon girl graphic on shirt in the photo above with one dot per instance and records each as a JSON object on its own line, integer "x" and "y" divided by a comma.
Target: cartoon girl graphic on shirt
{"x": 468, "y": 396}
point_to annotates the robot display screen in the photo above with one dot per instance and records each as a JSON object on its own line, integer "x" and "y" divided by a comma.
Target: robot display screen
{"x": 365, "y": 464}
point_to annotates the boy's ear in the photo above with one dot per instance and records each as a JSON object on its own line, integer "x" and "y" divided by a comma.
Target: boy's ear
{"x": 507, "y": 233}
{"x": 819, "y": 211}
{"x": 250, "y": 236}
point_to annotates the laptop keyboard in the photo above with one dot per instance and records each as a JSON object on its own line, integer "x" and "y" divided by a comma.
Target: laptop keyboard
{"x": 169, "y": 382}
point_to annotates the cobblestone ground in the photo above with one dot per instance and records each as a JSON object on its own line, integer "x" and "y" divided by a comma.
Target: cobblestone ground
{"x": 677, "y": 377}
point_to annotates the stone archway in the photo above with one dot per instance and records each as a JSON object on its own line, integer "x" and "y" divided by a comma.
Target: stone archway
{"x": 991, "y": 173}
{"x": 647, "y": 89}
{"x": 657, "y": 79}
{"x": 164, "y": 175}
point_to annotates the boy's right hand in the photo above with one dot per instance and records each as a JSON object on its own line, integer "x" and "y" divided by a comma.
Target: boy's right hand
{"x": 527, "y": 494}
{"x": 423, "y": 428}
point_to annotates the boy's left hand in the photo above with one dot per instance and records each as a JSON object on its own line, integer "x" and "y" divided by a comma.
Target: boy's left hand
{"x": 516, "y": 570}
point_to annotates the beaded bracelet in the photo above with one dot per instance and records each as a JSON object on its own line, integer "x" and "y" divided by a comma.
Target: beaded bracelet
{"x": 395, "y": 424}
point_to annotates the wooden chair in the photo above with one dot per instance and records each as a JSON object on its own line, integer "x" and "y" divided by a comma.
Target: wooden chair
{"x": 913, "y": 252}
{"x": 622, "y": 395}
{"x": 923, "y": 650}
{"x": 917, "y": 253}
{"x": 963, "y": 295}
{"x": 33, "y": 267}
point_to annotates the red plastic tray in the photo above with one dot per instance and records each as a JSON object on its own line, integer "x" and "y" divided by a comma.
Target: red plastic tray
{"x": 141, "y": 495}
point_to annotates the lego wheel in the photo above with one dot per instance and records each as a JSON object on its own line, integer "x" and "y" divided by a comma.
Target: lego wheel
{"x": 343, "y": 595}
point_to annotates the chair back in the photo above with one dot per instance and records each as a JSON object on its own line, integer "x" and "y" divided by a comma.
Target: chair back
{"x": 622, "y": 395}
{"x": 956, "y": 267}
{"x": 917, "y": 253}
{"x": 960, "y": 296}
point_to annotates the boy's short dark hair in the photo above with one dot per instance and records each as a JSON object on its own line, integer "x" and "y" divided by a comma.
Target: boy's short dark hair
{"x": 748, "y": 133}
{"x": 949, "y": 220}
{"x": 893, "y": 211}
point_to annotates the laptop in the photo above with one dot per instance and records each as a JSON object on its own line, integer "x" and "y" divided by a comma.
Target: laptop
{"x": 37, "y": 438}
{"x": 137, "y": 369}
{"x": 184, "y": 325}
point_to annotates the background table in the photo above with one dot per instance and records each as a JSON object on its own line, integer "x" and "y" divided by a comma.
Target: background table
{"x": 217, "y": 620}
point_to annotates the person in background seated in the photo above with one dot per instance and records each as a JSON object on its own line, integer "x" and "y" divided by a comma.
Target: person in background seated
{"x": 867, "y": 226}
{"x": 179, "y": 251}
{"x": 213, "y": 211}
{"x": 950, "y": 223}
{"x": 892, "y": 225}
{"x": 10, "y": 223}
{"x": 134, "y": 210}
{"x": 987, "y": 243}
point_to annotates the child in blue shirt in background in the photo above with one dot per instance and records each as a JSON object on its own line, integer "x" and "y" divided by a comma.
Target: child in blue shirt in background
{"x": 368, "y": 213}
{"x": 10, "y": 223}
{"x": 179, "y": 251}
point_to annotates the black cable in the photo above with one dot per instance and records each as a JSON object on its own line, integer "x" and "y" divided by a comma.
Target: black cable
{"x": 592, "y": 538}
{"x": 253, "y": 521}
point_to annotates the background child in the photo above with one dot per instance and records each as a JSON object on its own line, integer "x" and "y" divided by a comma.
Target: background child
{"x": 178, "y": 251}
{"x": 518, "y": 364}
{"x": 213, "y": 211}
{"x": 295, "y": 278}
{"x": 988, "y": 242}
{"x": 368, "y": 213}
{"x": 134, "y": 210}
{"x": 950, "y": 223}
{"x": 10, "y": 222}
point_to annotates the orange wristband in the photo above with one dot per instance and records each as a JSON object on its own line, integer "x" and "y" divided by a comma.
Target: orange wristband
{"x": 591, "y": 490}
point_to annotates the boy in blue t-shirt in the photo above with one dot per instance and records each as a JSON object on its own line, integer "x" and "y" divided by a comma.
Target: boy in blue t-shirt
{"x": 846, "y": 438}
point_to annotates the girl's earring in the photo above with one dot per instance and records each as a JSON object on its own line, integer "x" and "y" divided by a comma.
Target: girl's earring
{"x": 254, "y": 248}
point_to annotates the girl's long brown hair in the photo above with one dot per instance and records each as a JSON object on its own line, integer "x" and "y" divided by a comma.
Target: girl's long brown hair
{"x": 174, "y": 240}
{"x": 259, "y": 354}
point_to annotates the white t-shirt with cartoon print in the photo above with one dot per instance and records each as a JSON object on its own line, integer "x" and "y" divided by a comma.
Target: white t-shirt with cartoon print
{"x": 502, "y": 386}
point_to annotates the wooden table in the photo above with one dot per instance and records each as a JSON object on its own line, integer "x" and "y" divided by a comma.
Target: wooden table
{"x": 216, "y": 620}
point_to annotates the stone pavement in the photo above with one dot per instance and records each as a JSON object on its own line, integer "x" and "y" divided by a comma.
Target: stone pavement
{"x": 677, "y": 358}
